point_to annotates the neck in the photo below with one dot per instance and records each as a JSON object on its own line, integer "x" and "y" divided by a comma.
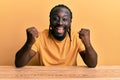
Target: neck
{"x": 60, "y": 38}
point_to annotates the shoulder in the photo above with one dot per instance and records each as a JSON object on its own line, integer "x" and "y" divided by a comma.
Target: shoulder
{"x": 44, "y": 33}
{"x": 42, "y": 38}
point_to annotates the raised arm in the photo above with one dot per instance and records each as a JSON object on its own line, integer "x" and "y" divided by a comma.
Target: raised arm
{"x": 89, "y": 56}
{"x": 24, "y": 55}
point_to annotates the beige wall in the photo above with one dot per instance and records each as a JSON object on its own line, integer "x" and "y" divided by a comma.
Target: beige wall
{"x": 102, "y": 17}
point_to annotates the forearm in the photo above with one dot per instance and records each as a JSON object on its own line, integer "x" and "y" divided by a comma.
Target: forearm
{"x": 24, "y": 55}
{"x": 90, "y": 56}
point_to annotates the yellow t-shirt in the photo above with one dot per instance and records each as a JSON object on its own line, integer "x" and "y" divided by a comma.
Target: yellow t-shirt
{"x": 54, "y": 52}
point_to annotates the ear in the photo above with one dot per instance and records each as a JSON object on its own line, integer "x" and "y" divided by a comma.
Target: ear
{"x": 50, "y": 26}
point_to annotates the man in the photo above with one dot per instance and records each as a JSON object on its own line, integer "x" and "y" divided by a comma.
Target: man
{"x": 58, "y": 45}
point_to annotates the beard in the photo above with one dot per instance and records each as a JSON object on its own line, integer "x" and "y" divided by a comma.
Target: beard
{"x": 57, "y": 35}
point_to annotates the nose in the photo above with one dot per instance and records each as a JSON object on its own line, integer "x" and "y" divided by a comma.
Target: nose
{"x": 60, "y": 22}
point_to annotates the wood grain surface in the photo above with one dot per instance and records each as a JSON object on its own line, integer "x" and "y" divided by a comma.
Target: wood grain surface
{"x": 60, "y": 72}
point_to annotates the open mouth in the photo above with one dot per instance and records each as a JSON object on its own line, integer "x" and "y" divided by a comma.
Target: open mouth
{"x": 60, "y": 30}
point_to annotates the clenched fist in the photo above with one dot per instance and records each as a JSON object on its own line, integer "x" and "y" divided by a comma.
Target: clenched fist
{"x": 32, "y": 34}
{"x": 84, "y": 35}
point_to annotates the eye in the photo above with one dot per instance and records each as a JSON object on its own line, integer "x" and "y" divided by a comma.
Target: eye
{"x": 55, "y": 19}
{"x": 65, "y": 19}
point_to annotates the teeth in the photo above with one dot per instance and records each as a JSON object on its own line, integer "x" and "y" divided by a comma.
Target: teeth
{"x": 60, "y": 29}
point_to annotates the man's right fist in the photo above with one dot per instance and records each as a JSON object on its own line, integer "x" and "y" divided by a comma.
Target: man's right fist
{"x": 32, "y": 34}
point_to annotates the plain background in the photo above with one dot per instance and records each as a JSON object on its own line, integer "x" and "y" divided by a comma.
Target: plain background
{"x": 102, "y": 17}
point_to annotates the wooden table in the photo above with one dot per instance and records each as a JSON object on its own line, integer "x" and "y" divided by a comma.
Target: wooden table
{"x": 60, "y": 73}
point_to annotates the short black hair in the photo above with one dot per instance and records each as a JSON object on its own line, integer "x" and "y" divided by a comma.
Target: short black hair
{"x": 62, "y": 6}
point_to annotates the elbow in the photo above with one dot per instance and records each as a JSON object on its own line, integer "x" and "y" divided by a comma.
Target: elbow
{"x": 92, "y": 66}
{"x": 93, "y": 63}
{"x": 18, "y": 64}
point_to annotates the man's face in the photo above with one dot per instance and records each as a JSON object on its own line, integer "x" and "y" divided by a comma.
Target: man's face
{"x": 60, "y": 21}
